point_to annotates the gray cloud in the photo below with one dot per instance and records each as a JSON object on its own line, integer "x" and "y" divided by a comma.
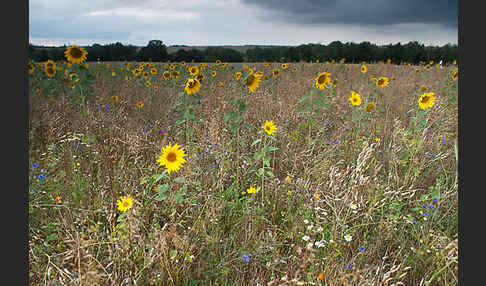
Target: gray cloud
{"x": 362, "y": 12}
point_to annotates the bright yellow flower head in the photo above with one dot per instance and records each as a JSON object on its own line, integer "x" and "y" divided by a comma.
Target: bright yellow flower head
{"x": 75, "y": 54}
{"x": 124, "y": 203}
{"x": 172, "y": 157}
{"x": 370, "y": 107}
{"x": 252, "y": 190}
{"x": 382, "y": 82}
{"x": 363, "y": 69}
{"x": 193, "y": 70}
{"x": 322, "y": 80}
{"x": 270, "y": 127}
{"x": 238, "y": 75}
{"x": 192, "y": 86}
{"x": 426, "y": 100}
{"x": 252, "y": 81}
{"x": 355, "y": 98}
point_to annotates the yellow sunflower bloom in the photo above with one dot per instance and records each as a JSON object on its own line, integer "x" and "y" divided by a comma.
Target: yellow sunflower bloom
{"x": 363, "y": 69}
{"x": 355, "y": 98}
{"x": 192, "y": 86}
{"x": 426, "y": 100}
{"x": 172, "y": 157}
{"x": 382, "y": 82}
{"x": 270, "y": 127}
{"x": 424, "y": 88}
{"x": 124, "y": 203}
{"x": 193, "y": 70}
{"x": 322, "y": 80}
{"x": 50, "y": 71}
{"x": 252, "y": 190}
{"x": 213, "y": 73}
{"x": 166, "y": 75}
{"x": 252, "y": 82}
{"x": 238, "y": 75}
{"x": 370, "y": 107}
{"x": 75, "y": 54}
{"x": 140, "y": 104}
{"x": 285, "y": 66}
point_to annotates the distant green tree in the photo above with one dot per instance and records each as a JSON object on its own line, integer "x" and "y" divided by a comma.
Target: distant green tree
{"x": 155, "y": 51}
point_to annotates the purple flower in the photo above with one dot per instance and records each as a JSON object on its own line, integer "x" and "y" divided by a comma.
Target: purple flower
{"x": 245, "y": 258}
{"x": 41, "y": 176}
{"x": 350, "y": 266}
{"x": 34, "y": 165}
{"x": 431, "y": 207}
{"x": 362, "y": 248}
{"x": 434, "y": 201}
{"x": 426, "y": 213}
{"x": 207, "y": 134}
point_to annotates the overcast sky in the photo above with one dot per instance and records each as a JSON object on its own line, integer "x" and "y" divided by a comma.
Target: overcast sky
{"x": 242, "y": 22}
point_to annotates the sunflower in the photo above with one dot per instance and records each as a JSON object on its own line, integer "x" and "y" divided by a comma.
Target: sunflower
{"x": 213, "y": 73}
{"x": 426, "y": 100}
{"x": 200, "y": 77}
{"x": 265, "y": 64}
{"x": 75, "y": 54}
{"x": 427, "y": 67}
{"x": 172, "y": 157}
{"x": 193, "y": 70}
{"x": 153, "y": 71}
{"x": 363, "y": 69}
{"x": 454, "y": 62}
{"x": 50, "y": 64}
{"x": 166, "y": 75}
{"x": 136, "y": 72}
{"x": 124, "y": 203}
{"x": 31, "y": 68}
{"x": 295, "y": 69}
{"x": 148, "y": 83}
{"x": 221, "y": 84}
{"x": 285, "y": 66}
{"x": 183, "y": 63}
{"x": 322, "y": 80}
{"x": 113, "y": 73}
{"x": 370, "y": 107}
{"x": 423, "y": 88}
{"x": 140, "y": 104}
{"x": 238, "y": 75}
{"x": 389, "y": 61}
{"x": 114, "y": 98}
{"x": 252, "y": 190}
{"x": 192, "y": 86}
{"x": 431, "y": 62}
{"x": 252, "y": 81}
{"x": 269, "y": 127}
{"x": 382, "y": 82}
{"x": 355, "y": 98}
{"x": 275, "y": 72}
{"x": 156, "y": 88}
{"x": 175, "y": 74}
{"x": 145, "y": 74}
{"x": 218, "y": 62}
{"x": 50, "y": 71}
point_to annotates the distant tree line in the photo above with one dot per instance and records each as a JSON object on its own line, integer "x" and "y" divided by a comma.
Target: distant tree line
{"x": 156, "y": 51}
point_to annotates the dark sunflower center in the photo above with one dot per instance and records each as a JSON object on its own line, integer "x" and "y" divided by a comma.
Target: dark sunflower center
{"x": 268, "y": 127}
{"x": 381, "y": 82}
{"x": 425, "y": 99}
{"x": 171, "y": 157}
{"x": 192, "y": 84}
{"x": 321, "y": 79}
{"x": 76, "y": 53}
{"x": 50, "y": 70}
{"x": 250, "y": 80}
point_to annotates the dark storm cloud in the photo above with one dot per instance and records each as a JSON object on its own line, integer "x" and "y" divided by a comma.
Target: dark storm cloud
{"x": 363, "y": 12}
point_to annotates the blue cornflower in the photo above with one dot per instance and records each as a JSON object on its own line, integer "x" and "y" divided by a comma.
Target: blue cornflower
{"x": 107, "y": 108}
{"x": 434, "y": 155}
{"x": 41, "y": 176}
{"x": 331, "y": 143}
{"x": 207, "y": 134}
{"x": 34, "y": 165}
{"x": 245, "y": 258}
{"x": 414, "y": 220}
{"x": 431, "y": 207}
{"x": 215, "y": 166}
{"x": 328, "y": 132}
{"x": 434, "y": 201}
{"x": 443, "y": 140}
{"x": 337, "y": 141}
{"x": 423, "y": 206}
{"x": 381, "y": 162}
{"x": 197, "y": 155}
{"x": 350, "y": 266}
{"x": 362, "y": 248}
{"x": 379, "y": 152}
{"x": 426, "y": 213}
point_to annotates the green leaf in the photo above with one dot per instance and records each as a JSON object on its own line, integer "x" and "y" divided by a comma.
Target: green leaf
{"x": 157, "y": 177}
{"x": 266, "y": 161}
{"x": 180, "y": 180}
{"x": 260, "y": 171}
{"x": 256, "y": 142}
{"x": 270, "y": 173}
